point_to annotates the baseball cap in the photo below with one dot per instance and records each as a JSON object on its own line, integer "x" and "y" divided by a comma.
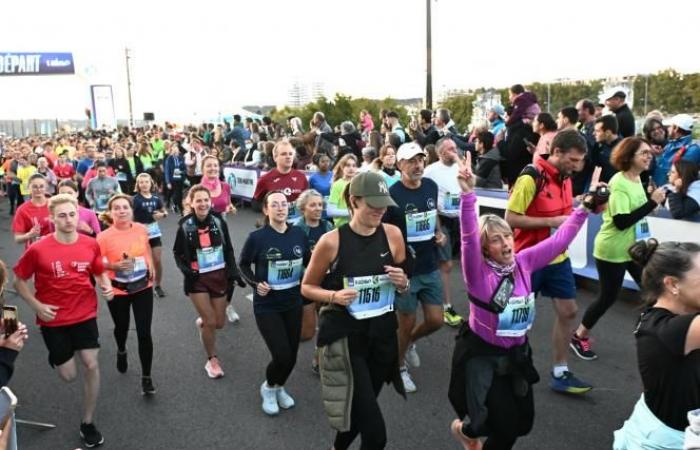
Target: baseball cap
{"x": 498, "y": 109}
{"x": 408, "y": 151}
{"x": 613, "y": 92}
{"x": 682, "y": 121}
{"x": 373, "y": 188}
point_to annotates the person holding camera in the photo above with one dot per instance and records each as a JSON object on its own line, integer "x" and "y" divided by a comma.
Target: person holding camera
{"x": 492, "y": 369}
{"x": 624, "y": 223}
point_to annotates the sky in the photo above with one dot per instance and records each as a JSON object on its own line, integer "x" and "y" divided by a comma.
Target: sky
{"x": 195, "y": 60}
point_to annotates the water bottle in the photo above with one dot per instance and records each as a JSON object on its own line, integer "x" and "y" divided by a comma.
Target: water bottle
{"x": 692, "y": 433}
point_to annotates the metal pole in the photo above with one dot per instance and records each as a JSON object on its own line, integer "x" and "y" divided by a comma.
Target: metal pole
{"x": 646, "y": 93}
{"x": 128, "y": 87}
{"x": 549, "y": 96}
{"x": 429, "y": 62}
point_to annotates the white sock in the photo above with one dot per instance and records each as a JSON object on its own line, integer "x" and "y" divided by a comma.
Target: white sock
{"x": 559, "y": 369}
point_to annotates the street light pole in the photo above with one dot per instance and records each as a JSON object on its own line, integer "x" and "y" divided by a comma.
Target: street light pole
{"x": 646, "y": 93}
{"x": 429, "y": 62}
{"x": 128, "y": 87}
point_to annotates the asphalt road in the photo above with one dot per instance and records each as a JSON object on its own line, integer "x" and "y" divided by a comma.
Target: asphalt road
{"x": 191, "y": 411}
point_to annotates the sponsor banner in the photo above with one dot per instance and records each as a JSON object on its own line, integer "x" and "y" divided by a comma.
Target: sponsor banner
{"x": 26, "y": 63}
{"x": 242, "y": 181}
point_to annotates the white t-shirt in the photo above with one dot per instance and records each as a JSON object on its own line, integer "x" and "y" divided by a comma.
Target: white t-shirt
{"x": 448, "y": 187}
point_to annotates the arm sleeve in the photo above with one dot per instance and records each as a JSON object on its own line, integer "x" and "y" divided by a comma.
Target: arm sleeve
{"x": 472, "y": 261}
{"x": 24, "y": 269}
{"x": 179, "y": 252}
{"x": 167, "y": 169}
{"x": 485, "y": 167}
{"x": 681, "y": 206}
{"x": 522, "y": 195}
{"x": 246, "y": 260}
{"x": 625, "y": 220}
{"x": 94, "y": 223}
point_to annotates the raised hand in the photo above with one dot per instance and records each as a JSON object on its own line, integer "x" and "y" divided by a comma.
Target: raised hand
{"x": 465, "y": 176}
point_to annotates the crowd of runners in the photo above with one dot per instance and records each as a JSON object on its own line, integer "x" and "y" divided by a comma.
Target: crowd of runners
{"x": 360, "y": 229}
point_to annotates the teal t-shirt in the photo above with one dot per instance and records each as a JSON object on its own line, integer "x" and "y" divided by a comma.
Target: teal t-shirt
{"x": 612, "y": 244}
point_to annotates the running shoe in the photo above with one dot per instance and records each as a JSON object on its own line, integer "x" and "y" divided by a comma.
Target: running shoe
{"x": 122, "y": 362}
{"x": 213, "y": 368}
{"x": 412, "y": 357}
{"x": 582, "y": 348}
{"x": 467, "y": 442}
{"x": 147, "y": 387}
{"x": 232, "y": 315}
{"x": 160, "y": 292}
{"x": 408, "y": 384}
{"x": 569, "y": 384}
{"x": 451, "y": 318}
{"x": 91, "y": 436}
{"x": 269, "y": 400}
{"x": 284, "y": 400}
{"x": 315, "y": 367}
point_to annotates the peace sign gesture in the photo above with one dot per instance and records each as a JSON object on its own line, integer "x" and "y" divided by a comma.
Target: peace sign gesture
{"x": 465, "y": 176}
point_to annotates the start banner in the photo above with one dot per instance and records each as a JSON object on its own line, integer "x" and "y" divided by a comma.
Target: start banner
{"x": 27, "y": 63}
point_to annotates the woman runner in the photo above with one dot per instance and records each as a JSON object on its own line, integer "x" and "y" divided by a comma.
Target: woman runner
{"x": 148, "y": 210}
{"x": 342, "y": 174}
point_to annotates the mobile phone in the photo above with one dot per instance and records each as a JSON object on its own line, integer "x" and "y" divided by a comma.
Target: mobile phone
{"x": 500, "y": 298}
{"x": 9, "y": 319}
{"x": 528, "y": 144}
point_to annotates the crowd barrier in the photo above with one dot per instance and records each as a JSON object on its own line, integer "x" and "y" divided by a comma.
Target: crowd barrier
{"x": 661, "y": 225}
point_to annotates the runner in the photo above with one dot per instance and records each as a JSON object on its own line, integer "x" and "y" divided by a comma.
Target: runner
{"x": 444, "y": 173}
{"x": 127, "y": 253}
{"x": 624, "y": 223}
{"x": 416, "y": 216}
{"x": 148, "y": 210}
{"x": 310, "y": 204}
{"x": 65, "y": 302}
{"x": 668, "y": 339}
{"x": 101, "y": 188}
{"x": 204, "y": 254}
{"x": 342, "y": 174}
{"x": 279, "y": 252}
{"x": 492, "y": 370}
{"x": 31, "y": 220}
{"x": 363, "y": 263}
{"x": 283, "y": 178}
{"x": 87, "y": 219}
{"x": 541, "y": 200}
{"x": 174, "y": 172}
{"x": 221, "y": 204}
{"x": 322, "y": 180}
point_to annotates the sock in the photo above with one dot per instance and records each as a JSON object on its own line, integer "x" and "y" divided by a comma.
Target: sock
{"x": 559, "y": 369}
{"x": 446, "y": 306}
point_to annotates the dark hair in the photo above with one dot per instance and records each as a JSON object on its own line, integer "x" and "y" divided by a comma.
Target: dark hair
{"x": 393, "y": 114}
{"x": 68, "y": 183}
{"x": 486, "y": 138}
{"x": 426, "y": 115}
{"x": 266, "y": 220}
{"x": 36, "y": 176}
{"x": 659, "y": 260}
{"x": 570, "y": 113}
{"x": 99, "y": 164}
{"x": 567, "y": 140}
{"x": 517, "y": 89}
{"x": 236, "y": 117}
{"x": 432, "y": 154}
{"x": 609, "y": 122}
{"x": 649, "y": 126}
{"x": 588, "y": 105}
{"x": 547, "y": 121}
{"x": 623, "y": 153}
{"x": 394, "y": 140}
{"x": 688, "y": 172}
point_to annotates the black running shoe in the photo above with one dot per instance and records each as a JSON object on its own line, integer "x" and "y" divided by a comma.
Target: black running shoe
{"x": 122, "y": 362}
{"x": 160, "y": 292}
{"x": 147, "y": 387}
{"x": 91, "y": 435}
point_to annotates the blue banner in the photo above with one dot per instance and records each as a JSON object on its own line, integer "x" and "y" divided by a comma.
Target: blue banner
{"x": 16, "y": 63}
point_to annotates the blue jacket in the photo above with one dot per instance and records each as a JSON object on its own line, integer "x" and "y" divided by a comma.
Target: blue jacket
{"x": 171, "y": 163}
{"x": 664, "y": 161}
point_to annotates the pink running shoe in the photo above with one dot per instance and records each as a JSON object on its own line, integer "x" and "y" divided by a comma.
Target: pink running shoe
{"x": 213, "y": 368}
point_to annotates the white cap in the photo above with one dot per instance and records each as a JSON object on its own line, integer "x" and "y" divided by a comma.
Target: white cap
{"x": 613, "y": 92}
{"x": 682, "y": 121}
{"x": 408, "y": 151}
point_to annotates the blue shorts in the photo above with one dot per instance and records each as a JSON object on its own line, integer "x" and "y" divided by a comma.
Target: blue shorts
{"x": 556, "y": 281}
{"x": 426, "y": 288}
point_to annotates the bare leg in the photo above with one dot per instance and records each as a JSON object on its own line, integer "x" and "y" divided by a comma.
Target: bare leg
{"x": 564, "y": 324}
{"x": 92, "y": 382}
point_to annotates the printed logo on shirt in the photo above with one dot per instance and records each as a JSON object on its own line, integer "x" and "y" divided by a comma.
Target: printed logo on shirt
{"x": 58, "y": 271}
{"x": 273, "y": 253}
{"x": 80, "y": 266}
{"x": 430, "y": 203}
{"x": 287, "y": 191}
{"x": 297, "y": 251}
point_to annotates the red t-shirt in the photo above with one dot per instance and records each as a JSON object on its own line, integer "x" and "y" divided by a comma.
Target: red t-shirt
{"x": 26, "y": 215}
{"x": 292, "y": 184}
{"x": 62, "y": 277}
{"x": 64, "y": 171}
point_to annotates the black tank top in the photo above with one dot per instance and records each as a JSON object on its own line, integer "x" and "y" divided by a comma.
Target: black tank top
{"x": 357, "y": 256}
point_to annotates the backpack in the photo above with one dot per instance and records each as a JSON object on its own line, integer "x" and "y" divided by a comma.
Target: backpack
{"x": 531, "y": 170}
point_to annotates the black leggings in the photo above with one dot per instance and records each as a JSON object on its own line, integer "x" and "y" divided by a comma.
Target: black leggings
{"x": 509, "y": 416}
{"x": 281, "y": 332}
{"x": 371, "y": 367}
{"x": 610, "y": 277}
{"x": 14, "y": 196}
{"x": 142, "y": 303}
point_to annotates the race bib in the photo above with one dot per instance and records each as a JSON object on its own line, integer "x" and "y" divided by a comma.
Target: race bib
{"x": 101, "y": 202}
{"x": 137, "y": 273}
{"x": 421, "y": 226}
{"x": 375, "y": 295}
{"x": 641, "y": 230}
{"x": 121, "y": 176}
{"x": 284, "y": 274}
{"x": 177, "y": 174}
{"x": 450, "y": 203}
{"x": 153, "y": 230}
{"x": 210, "y": 259}
{"x": 518, "y": 316}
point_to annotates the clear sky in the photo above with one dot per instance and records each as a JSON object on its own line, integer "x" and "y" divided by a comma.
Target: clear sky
{"x": 206, "y": 56}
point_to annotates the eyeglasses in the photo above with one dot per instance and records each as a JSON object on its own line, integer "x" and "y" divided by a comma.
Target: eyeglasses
{"x": 644, "y": 153}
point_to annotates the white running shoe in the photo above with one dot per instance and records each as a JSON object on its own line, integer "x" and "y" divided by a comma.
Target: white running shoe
{"x": 269, "y": 400}
{"x": 231, "y": 314}
{"x": 412, "y": 357}
{"x": 284, "y": 400}
{"x": 408, "y": 383}
{"x": 213, "y": 368}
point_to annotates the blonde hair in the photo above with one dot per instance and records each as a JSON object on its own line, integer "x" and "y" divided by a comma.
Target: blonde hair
{"x": 305, "y": 197}
{"x": 490, "y": 223}
{"x": 142, "y": 176}
{"x": 283, "y": 141}
{"x": 106, "y": 216}
{"x": 61, "y": 199}
{"x": 338, "y": 170}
